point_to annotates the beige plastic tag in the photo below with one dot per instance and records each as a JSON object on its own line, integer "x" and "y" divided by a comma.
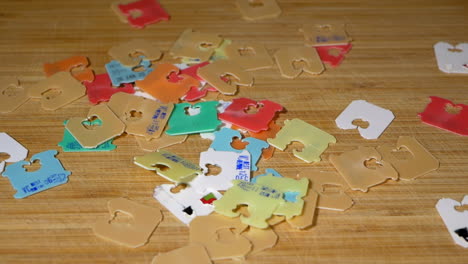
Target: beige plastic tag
{"x": 306, "y": 219}
{"x": 169, "y": 166}
{"x": 12, "y": 95}
{"x": 195, "y": 45}
{"x": 191, "y": 254}
{"x": 92, "y": 137}
{"x": 158, "y": 143}
{"x": 287, "y": 57}
{"x": 142, "y": 117}
{"x": 261, "y": 239}
{"x": 351, "y": 165}
{"x": 57, "y": 90}
{"x": 263, "y": 10}
{"x": 335, "y": 200}
{"x": 220, "y": 245}
{"x": 315, "y": 140}
{"x": 145, "y": 219}
{"x": 325, "y": 34}
{"x": 213, "y": 72}
{"x": 125, "y": 51}
{"x": 250, "y": 56}
{"x": 422, "y": 162}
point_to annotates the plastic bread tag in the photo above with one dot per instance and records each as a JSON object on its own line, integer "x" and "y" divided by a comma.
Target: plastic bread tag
{"x": 135, "y": 234}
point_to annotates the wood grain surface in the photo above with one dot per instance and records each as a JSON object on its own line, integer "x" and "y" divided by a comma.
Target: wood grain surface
{"x": 392, "y": 65}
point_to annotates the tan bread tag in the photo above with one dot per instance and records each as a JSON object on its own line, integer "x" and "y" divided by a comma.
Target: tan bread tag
{"x": 57, "y": 90}
{"x": 142, "y": 117}
{"x": 12, "y": 95}
{"x": 158, "y": 143}
{"x": 205, "y": 230}
{"x": 422, "y": 162}
{"x": 195, "y": 45}
{"x": 191, "y": 254}
{"x": 250, "y": 56}
{"x": 351, "y": 165}
{"x": 258, "y": 9}
{"x": 168, "y": 165}
{"x": 213, "y": 72}
{"x": 145, "y": 219}
{"x": 261, "y": 239}
{"x": 91, "y": 137}
{"x": 306, "y": 219}
{"x": 287, "y": 57}
{"x": 331, "y": 200}
{"x": 128, "y": 53}
{"x": 325, "y": 34}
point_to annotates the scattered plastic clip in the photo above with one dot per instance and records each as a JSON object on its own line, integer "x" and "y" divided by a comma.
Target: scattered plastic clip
{"x": 327, "y": 56}
{"x": 306, "y": 219}
{"x": 288, "y": 196}
{"x": 50, "y": 174}
{"x": 158, "y": 84}
{"x": 271, "y": 132}
{"x": 110, "y": 127}
{"x": 436, "y": 114}
{"x": 261, "y": 239}
{"x": 351, "y": 165}
{"x": 124, "y": 52}
{"x": 325, "y": 34}
{"x": 57, "y": 91}
{"x": 147, "y": 12}
{"x": 158, "y": 143}
{"x": 185, "y": 120}
{"x": 10, "y": 146}
{"x": 263, "y": 9}
{"x": 169, "y": 166}
{"x": 196, "y": 46}
{"x": 101, "y": 89}
{"x": 237, "y": 113}
{"x": 320, "y": 181}
{"x": 224, "y": 138}
{"x": 188, "y": 203}
{"x": 193, "y": 254}
{"x": 234, "y": 166}
{"x": 379, "y": 118}
{"x": 142, "y": 117}
{"x": 287, "y": 57}
{"x": 85, "y": 74}
{"x": 315, "y": 140}
{"x": 421, "y": 163}
{"x": 70, "y": 144}
{"x": 250, "y": 56}
{"x": 452, "y": 59}
{"x": 214, "y": 73}
{"x": 120, "y": 74}
{"x": 12, "y": 95}
{"x": 145, "y": 219}
{"x": 208, "y": 231}
{"x": 264, "y": 199}
{"x": 455, "y": 221}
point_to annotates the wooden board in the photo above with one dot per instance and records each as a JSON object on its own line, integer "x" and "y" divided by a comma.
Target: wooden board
{"x": 391, "y": 64}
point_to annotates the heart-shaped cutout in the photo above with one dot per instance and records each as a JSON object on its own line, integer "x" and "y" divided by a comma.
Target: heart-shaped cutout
{"x": 92, "y": 123}
{"x": 453, "y": 109}
{"x": 32, "y": 167}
